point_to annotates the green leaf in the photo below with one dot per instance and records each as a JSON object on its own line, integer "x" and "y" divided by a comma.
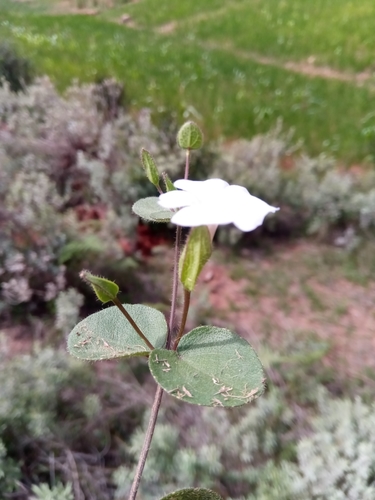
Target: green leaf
{"x": 104, "y": 289}
{"x": 196, "y": 252}
{"x": 190, "y": 136}
{"x": 150, "y": 210}
{"x": 193, "y": 494}
{"x": 150, "y": 167}
{"x": 211, "y": 367}
{"x": 168, "y": 183}
{"x": 107, "y": 334}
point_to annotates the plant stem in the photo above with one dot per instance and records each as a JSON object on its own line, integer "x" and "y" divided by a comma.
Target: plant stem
{"x": 187, "y": 164}
{"x": 146, "y": 443}
{"x": 133, "y": 323}
{"x": 174, "y": 286}
{"x": 159, "y": 391}
{"x": 187, "y": 296}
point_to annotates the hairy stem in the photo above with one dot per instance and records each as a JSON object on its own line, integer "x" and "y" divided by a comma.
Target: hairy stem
{"x": 187, "y": 296}
{"x": 187, "y": 163}
{"x": 133, "y": 323}
{"x": 159, "y": 391}
{"x": 174, "y": 286}
{"x": 146, "y": 443}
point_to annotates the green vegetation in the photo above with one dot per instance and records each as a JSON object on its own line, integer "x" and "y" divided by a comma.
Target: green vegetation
{"x": 67, "y": 203}
{"x": 193, "y": 68}
{"x": 336, "y": 33}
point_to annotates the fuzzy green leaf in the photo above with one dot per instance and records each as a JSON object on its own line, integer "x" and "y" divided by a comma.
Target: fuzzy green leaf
{"x": 211, "y": 367}
{"x": 190, "y": 136}
{"x": 150, "y": 167}
{"x": 168, "y": 183}
{"x": 197, "y": 251}
{"x": 104, "y": 289}
{"x": 150, "y": 210}
{"x": 107, "y": 334}
{"x": 193, "y": 494}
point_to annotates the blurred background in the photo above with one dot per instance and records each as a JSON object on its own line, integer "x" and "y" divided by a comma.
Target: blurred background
{"x": 285, "y": 94}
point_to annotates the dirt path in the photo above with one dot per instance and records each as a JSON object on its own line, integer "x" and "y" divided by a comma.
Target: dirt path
{"x": 307, "y": 67}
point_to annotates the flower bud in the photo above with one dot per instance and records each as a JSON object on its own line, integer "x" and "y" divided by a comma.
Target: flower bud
{"x": 104, "y": 289}
{"x": 197, "y": 251}
{"x": 190, "y": 136}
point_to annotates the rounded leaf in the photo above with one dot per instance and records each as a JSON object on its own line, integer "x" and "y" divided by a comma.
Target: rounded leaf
{"x": 107, "y": 334}
{"x": 212, "y": 367}
{"x": 193, "y": 494}
{"x": 150, "y": 210}
{"x": 190, "y": 136}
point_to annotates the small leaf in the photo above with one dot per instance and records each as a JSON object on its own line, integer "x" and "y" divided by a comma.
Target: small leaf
{"x": 211, "y": 367}
{"x": 197, "y": 251}
{"x": 150, "y": 210}
{"x": 193, "y": 494}
{"x": 168, "y": 183}
{"x": 150, "y": 167}
{"x": 107, "y": 334}
{"x": 104, "y": 289}
{"x": 190, "y": 136}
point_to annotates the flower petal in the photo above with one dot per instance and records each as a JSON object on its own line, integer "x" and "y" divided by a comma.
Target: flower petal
{"x": 176, "y": 199}
{"x": 250, "y": 211}
{"x": 201, "y": 188}
{"x": 202, "y": 215}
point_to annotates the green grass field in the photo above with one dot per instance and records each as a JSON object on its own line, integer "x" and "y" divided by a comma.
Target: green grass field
{"x": 210, "y": 62}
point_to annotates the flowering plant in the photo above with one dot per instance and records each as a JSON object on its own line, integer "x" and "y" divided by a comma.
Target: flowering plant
{"x": 208, "y": 366}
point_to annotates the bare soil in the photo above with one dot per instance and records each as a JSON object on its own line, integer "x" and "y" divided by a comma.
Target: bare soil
{"x": 337, "y": 311}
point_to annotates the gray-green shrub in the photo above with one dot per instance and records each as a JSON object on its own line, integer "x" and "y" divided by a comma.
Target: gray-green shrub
{"x": 69, "y": 173}
{"x": 315, "y": 195}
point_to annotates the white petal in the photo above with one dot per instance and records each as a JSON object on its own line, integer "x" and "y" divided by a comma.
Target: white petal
{"x": 201, "y": 188}
{"x": 176, "y": 199}
{"x": 201, "y": 215}
{"x": 251, "y": 214}
{"x": 188, "y": 217}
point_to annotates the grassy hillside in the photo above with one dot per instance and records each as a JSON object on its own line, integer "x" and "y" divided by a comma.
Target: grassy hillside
{"x": 235, "y": 66}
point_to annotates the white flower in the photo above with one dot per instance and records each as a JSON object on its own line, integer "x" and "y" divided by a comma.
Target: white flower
{"x": 214, "y": 202}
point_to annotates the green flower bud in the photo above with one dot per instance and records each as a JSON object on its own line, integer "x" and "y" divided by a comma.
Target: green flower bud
{"x": 197, "y": 251}
{"x": 190, "y": 136}
{"x": 104, "y": 289}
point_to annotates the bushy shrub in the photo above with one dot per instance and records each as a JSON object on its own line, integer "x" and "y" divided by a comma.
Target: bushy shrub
{"x": 32, "y": 396}
{"x": 68, "y": 304}
{"x": 60, "y": 422}
{"x": 211, "y": 449}
{"x": 14, "y": 69}
{"x": 57, "y": 492}
{"x": 259, "y": 457}
{"x": 69, "y": 173}
{"x": 315, "y": 195}
{"x": 338, "y": 460}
